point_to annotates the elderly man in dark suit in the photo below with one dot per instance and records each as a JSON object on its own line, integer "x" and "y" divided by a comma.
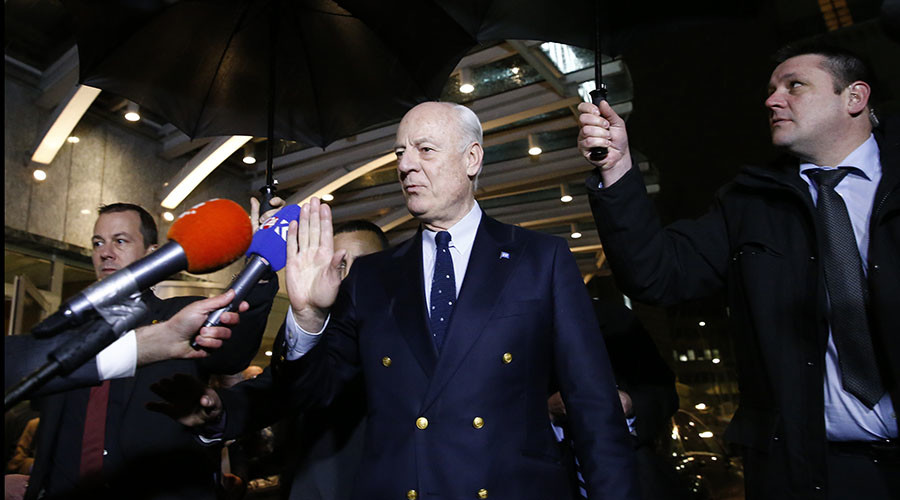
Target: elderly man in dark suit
{"x": 456, "y": 383}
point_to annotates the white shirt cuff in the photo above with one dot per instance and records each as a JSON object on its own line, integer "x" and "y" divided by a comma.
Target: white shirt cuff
{"x": 208, "y": 440}
{"x": 119, "y": 359}
{"x": 631, "y": 428}
{"x": 297, "y": 340}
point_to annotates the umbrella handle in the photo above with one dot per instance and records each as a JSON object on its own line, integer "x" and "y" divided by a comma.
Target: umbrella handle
{"x": 597, "y": 96}
{"x": 268, "y": 192}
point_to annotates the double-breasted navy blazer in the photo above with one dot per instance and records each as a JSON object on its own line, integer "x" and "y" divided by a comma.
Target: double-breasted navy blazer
{"x": 469, "y": 421}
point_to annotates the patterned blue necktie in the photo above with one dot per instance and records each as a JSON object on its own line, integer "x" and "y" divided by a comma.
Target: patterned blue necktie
{"x": 443, "y": 288}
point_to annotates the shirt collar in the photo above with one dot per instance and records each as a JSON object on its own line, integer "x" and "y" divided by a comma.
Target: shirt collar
{"x": 462, "y": 234}
{"x": 864, "y": 159}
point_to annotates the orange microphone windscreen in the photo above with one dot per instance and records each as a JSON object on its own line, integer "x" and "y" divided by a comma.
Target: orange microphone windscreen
{"x": 213, "y": 234}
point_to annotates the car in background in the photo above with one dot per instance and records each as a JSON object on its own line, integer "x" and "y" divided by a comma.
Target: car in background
{"x": 701, "y": 462}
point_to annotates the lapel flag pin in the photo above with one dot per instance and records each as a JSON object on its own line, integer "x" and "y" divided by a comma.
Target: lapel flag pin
{"x": 504, "y": 255}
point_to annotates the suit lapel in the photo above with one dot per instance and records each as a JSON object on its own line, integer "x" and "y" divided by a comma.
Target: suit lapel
{"x": 406, "y": 291}
{"x": 494, "y": 255}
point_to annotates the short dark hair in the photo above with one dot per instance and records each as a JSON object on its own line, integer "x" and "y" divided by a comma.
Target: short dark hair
{"x": 844, "y": 65}
{"x": 148, "y": 225}
{"x": 352, "y": 226}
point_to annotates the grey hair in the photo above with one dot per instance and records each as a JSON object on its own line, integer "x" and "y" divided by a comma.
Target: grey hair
{"x": 470, "y": 131}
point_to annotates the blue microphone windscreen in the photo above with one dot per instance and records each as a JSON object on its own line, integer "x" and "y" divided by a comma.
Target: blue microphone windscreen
{"x": 270, "y": 242}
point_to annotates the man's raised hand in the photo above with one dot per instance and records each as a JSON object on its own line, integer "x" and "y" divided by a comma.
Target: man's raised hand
{"x": 313, "y": 273}
{"x": 602, "y": 127}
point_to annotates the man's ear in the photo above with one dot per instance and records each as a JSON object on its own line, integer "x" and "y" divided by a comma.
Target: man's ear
{"x": 151, "y": 249}
{"x": 474, "y": 157}
{"x": 858, "y": 98}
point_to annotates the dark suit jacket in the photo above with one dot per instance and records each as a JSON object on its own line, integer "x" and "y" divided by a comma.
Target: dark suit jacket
{"x": 522, "y": 300}
{"x": 26, "y": 353}
{"x": 760, "y": 245}
{"x": 151, "y": 455}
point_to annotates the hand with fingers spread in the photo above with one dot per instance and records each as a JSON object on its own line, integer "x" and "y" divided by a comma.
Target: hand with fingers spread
{"x": 172, "y": 338}
{"x": 602, "y": 127}
{"x": 256, "y": 219}
{"x": 313, "y": 271}
{"x": 187, "y": 400}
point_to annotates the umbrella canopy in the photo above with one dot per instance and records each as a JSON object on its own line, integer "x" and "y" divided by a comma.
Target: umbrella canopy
{"x": 207, "y": 66}
{"x": 328, "y": 69}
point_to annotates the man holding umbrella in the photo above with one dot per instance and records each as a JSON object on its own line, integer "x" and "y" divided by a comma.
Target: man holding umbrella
{"x": 807, "y": 249}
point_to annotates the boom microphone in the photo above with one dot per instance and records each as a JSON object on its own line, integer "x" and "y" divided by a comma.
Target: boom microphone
{"x": 268, "y": 250}
{"x": 205, "y": 238}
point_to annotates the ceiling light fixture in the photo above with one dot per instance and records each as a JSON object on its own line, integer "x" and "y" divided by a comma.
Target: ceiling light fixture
{"x": 132, "y": 112}
{"x": 200, "y": 166}
{"x": 249, "y": 154}
{"x": 327, "y": 197}
{"x": 466, "y": 84}
{"x": 39, "y": 175}
{"x": 533, "y": 148}
{"x": 168, "y": 216}
{"x": 575, "y": 232}
{"x": 63, "y": 123}
{"x": 564, "y": 195}
{"x": 73, "y": 139}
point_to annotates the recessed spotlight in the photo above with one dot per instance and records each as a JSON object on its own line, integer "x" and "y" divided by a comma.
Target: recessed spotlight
{"x": 716, "y": 361}
{"x": 39, "y": 174}
{"x": 249, "y": 154}
{"x": 700, "y": 406}
{"x": 534, "y": 148}
{"x": 327, "y": 197}
{"x": 132, "y": 112}
{"x": 465, "y": 81}
{"x": 702, "y": 323}
{"x": 168, "y": 216}
{"x": 85, "y": 211}
{"x": 575, "y": 232}
{"x": 73, "y": 139}
{"x": 269, "y": 353}
{"x": 564, "y": 195}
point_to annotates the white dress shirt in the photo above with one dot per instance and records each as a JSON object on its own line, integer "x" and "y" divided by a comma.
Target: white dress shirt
{"x": 462, "y": 238}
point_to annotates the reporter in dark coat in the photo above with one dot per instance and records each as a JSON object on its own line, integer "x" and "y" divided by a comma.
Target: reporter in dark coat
{"x": 145, "y": 455}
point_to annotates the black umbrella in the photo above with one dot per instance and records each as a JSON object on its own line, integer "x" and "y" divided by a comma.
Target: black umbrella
{"x": 604, "y": 26}
{"x": 304, "y": 70}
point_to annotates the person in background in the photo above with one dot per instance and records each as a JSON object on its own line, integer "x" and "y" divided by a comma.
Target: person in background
{"x": 646, "y": 387}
